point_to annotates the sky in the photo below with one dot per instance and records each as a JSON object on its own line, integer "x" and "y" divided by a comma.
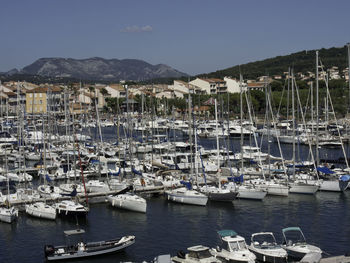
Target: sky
{"x": 192, "y": 36}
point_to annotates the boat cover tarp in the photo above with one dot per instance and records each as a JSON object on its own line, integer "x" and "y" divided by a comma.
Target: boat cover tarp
{"x": 73, "y": 193}
{"x": 187, "y": 184}
{"x": 325, "y": 170}
{"x": 236, "y": 179}
{"x": 345, "y": 178}
{"x": 136, "y": 171}
{"x": 203, "y": 168}
{"x": 115, "y": 174}
{"x": 48, "y": 178}
{"x": 227, "y": 233}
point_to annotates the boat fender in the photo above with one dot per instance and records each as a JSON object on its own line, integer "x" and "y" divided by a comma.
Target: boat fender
{"x": 181, "y": 254}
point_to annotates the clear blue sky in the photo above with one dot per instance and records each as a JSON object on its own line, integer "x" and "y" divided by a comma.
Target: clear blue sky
{"x": 193, "y": 36}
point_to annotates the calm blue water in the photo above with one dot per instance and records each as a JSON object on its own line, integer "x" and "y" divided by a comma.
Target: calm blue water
{"x": 169, "y": 227}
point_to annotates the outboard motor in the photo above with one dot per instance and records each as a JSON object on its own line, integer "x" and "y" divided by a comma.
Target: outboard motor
{"x": 181, "y": 254}
{"x": 49, "y": 250}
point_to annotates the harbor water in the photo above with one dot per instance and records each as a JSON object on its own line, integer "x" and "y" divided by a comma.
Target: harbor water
{"x": 169, "y": 227}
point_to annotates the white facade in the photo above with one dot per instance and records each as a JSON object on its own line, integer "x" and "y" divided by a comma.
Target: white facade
{"x": 232, "y": 85}
{"x": 116, "y": 91}
{"x": 203, "y": 85}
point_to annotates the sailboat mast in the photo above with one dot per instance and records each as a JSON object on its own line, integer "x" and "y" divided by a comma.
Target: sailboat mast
{"x": 317, "y": 112}
{"x": 312, "y": 107}
{"x": 293, "y": 125}
{"x": 217, "y": 134}
{"x": 267, "y": 87}
{"x": 190, "y": 130}
{"x": 348, "y": 44}
{"x": 241, "y": 105}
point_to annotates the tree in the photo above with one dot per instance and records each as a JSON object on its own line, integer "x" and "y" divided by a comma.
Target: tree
{"x": 276, "y": 85}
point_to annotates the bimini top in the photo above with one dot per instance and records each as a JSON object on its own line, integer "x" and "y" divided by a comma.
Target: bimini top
{"x": 197, "y": 248}
{"x": 325, "y": 170}
{"x": 295, "y": 228}
{"x": 227, "y": 233}
{"x": 345, "y": 178}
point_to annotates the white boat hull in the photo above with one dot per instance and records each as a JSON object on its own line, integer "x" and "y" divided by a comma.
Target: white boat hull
{"x": 127, "y": 202}
{"x": 279, "y": 190}
{"x": 8, "y": 215}
{"x": 254, "y": 194}
{"x": 296, "y": 188}
{"x": 185, "y": 198}
{"x": 333, "y": 186}
{"x": 41, "y": 211}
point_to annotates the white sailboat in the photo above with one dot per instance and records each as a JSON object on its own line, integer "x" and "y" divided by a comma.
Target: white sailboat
{"x": 184, "y": 195}
{"x": 8, "y": 214}
{"x": 41, "y": 210}
{"x": 187, "y": 195}
{"x": 128, "y": 201}
{"x": 70, "y": 208}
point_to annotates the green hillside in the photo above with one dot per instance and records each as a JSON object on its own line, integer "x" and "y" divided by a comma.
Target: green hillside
{"x": 301, "y": 61}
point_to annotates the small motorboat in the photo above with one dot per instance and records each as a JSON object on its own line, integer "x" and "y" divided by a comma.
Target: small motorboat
{"x": 266, "y": 249}
{"x": 8, "y": 214}
{"x": 88, "y": 249}
{"x": 195, "y": 254}
{"x": 295, "y": 243}
{"x": 233, "y": 249}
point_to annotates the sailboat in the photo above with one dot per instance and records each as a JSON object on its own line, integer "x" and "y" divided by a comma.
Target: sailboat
{"x": 213, "y": 192}
{"x": 8, "y": 214}
{"x": 299, "y": 186}
{"x": 186, "y": 194}
{"x": 128, "y": 201}
{"x": 247, "y": 191}
{"x": 41, "y": 210}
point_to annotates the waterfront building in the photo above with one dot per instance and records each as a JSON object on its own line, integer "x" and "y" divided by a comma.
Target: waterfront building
{"x": 40, "y": 100}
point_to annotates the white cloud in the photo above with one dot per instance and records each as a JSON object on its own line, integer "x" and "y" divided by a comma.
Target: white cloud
{"x": 137, "y": 29}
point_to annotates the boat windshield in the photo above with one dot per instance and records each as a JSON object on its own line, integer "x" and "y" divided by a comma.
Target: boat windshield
{"x": 199, "y": 254}
{"x": 204, "y": 254}
{"x": 242, "y": 244}
{"x": 234, "y": 246}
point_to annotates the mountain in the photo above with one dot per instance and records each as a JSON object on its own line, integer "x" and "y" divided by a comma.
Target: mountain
{"x": 100, "y": 69}
{"x": 302, "y": 61}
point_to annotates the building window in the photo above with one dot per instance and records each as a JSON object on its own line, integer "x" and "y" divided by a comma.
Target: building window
{"x": 41, "y": 95}
{"x": 30, "y": 95}
{"x": 35, "y": 95}
{"x": 40, "y": 102}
